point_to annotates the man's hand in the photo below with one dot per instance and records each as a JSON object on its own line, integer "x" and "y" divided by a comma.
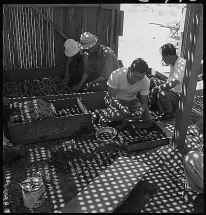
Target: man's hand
{"x": 76, "y": 88}
{"x": 138, "y": 113}
{"x": 65, "y": 81}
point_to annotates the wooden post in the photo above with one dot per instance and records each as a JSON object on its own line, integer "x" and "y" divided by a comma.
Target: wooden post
{"x": 193, "y": 55}
{"x": 112, "y": 29}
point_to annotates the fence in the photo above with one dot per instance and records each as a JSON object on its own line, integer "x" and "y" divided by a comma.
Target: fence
{"x": 34, "y": 35}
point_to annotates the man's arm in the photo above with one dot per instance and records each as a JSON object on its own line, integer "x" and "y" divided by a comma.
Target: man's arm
{"x": 100, "y": 78}
{"x": 77, "y": 87}
{"x": 168, "y": 85}
{"x": 160, "y": 76}
{"x": 67, "y": 68}
{"x": 144, "y": 102}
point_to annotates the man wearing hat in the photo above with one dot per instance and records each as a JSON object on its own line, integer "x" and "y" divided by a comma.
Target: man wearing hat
{"x": 75, "y": 62}
{"x": 101, "y": 60}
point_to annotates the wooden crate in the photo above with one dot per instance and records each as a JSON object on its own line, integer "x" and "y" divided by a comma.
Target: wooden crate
{"x": 54, "y": 128}
{"x": 147, "y": 144}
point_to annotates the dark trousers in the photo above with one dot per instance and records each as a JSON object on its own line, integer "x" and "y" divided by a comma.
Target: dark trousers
{"x": 111, "y": 113}
{"x": 165, "y": 101}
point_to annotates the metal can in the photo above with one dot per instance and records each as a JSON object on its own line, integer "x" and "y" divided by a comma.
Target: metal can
{"x": 33, "y": 192}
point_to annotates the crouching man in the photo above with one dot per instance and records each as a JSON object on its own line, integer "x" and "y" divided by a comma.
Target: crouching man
{"x": 124, "y": 84}
{"x": 165, "y": 94}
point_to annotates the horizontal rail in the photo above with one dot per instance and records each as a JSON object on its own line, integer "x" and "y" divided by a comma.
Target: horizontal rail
{"x": 52, "y": 5}
{"x": 104, "y": 6}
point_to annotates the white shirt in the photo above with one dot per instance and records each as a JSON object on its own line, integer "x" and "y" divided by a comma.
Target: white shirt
{"x": 177, "y": 73}
{"x": 126, "y": 91}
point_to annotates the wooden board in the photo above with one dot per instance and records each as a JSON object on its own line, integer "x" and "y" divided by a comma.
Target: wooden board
{"x": 110, "y": 189}
{"x": 148, "y": 144}
{"x": 26, "y": 74}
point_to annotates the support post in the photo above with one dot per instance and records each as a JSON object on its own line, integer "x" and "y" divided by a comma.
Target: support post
{"x": 190, "y": 81}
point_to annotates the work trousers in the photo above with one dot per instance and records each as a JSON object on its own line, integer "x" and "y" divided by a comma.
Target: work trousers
{"x": 111, "y": 113}
{"x": 165, "y": 101}
{"x": 193, "y": 168}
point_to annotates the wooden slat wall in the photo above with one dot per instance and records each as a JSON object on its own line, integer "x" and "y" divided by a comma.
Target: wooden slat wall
{"x": 192, "y": 51}
{"x": 29, "y": 41}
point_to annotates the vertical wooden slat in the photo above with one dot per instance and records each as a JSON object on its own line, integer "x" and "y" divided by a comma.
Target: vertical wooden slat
{"x": 56, "y": 22}
{"x": 35, "y": 38}
{"x": 194, "y": 48}
{"x": 53, "y": 51}
{"x": 47, "y": 40}
{"x": 6, "y": 32}
{"x": 50, "y": 51}
{"x": 18, "y": 37}
{"x": 18, "y": 15}
{"x": 112, "y": 29}
{"x": 40, "y": 39}
{"x": 12, "y": 55}
{"x": 27, "y": 37}
{"x": 63, "y": 22}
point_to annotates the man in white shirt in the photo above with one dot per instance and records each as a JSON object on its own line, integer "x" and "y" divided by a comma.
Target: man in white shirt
{"x": 123, "y": 86}
{"x": 166, "y": 93}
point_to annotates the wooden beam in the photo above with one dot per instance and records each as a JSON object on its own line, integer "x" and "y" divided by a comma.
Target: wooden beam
{"x": 52, "y": 5}
{"x": 120, "y": 23}
{"x": 112, "y": 29}
{"x": 110, "y": 6}
{"x": 183, "y": 116}
{"x": 50, "y": 22}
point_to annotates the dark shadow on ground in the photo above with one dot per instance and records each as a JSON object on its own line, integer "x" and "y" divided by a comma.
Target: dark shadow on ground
{"x": 138, "y": 198}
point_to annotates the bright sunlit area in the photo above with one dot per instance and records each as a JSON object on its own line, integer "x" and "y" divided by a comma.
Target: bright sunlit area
{"x": 142, "y": 34}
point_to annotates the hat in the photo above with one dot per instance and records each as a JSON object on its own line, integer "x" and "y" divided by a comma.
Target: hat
{"x": 72, "y": 47}
{"x": 88, "y": 40}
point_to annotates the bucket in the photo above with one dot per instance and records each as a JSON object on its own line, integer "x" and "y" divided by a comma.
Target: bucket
{"x": 33, "y": 192}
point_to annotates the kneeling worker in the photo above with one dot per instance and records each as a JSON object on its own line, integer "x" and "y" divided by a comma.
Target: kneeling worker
{"x": 101, "y": 60}
{"x": 124, "y": 84}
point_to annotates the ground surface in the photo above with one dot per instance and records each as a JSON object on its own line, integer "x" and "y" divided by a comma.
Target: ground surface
{"x": 142, "y": 39}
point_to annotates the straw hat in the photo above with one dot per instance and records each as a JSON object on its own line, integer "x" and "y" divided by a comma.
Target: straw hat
{"x": 87, "y": 40}
{"x": 72, "y": 47}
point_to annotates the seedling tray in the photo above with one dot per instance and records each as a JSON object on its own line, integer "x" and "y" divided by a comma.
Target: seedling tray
{"x": 142, "y": 136}
{"x": 52, "y": 128}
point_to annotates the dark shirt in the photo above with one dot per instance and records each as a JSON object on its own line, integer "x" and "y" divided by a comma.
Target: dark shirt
{"x": 104, "y": 63}
{"x": 76, "y": 70}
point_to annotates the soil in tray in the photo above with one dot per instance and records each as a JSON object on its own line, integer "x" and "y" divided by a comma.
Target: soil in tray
{"x": 132, "y": 134}
{"x": 22, "y": 112}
